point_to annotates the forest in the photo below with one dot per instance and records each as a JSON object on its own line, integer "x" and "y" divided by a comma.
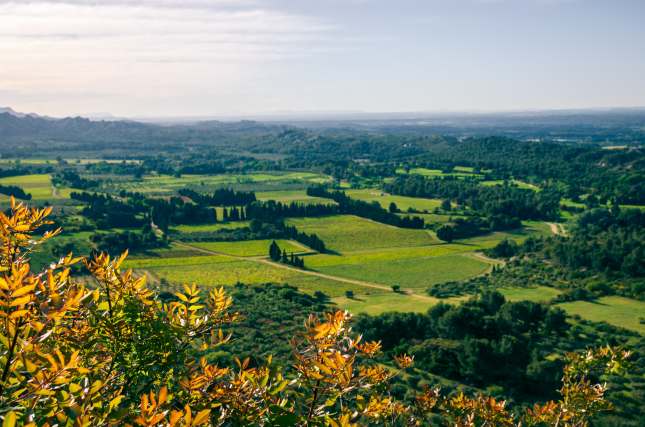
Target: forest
{"x": 490, "y": 267}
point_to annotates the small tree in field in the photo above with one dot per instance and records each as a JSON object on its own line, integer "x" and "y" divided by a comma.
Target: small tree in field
{"x": 117, "y": 354}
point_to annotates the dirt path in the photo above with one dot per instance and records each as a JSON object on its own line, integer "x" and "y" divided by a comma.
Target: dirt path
{"x": 264, "y": 260}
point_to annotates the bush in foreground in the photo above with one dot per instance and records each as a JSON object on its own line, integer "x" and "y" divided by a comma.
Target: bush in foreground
{"x": 118, "y": 355}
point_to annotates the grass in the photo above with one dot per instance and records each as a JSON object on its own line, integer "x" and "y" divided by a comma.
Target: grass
{"x": 248, "y": 248}
{"x": 415, "y": 273}
{"x": 460, "y": 171}
{"x": 38, "y": 185}
{"x": 164, "y": 184}
{"x": 219, "y": 270}
{"x": 382, "y": 302}
{"x": 289, "y": 196}
{"x": 535, "y": 294}
{"x": 378, "y": 303}
{"x": 402, "y": 202}
{"x": 343, "y": 233}
{"x": 618, "y": 311}
{"x": 516, "y": 182}
{"x": 202, "y": 228}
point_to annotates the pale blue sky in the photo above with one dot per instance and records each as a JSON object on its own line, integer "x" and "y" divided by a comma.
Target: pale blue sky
{"x": 231, "y": 57}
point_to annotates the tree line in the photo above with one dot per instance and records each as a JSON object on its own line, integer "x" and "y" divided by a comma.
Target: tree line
{"x": 220, "y": 197}
{"x": 373, "y": 210}
{"x": 280, "y": 255}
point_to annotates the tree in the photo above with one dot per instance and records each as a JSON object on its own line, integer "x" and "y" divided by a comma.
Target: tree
{"x": 396, "y": 288}
{"x": 349, "y": 294}
{"x": 445, "y": 205}
{"x": 120, "y": 355}
{"x": 274, "y": 251}
{"x": 393, "y": 208}
{"x": 446, "y": 233}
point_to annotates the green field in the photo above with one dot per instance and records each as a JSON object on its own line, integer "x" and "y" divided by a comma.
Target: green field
{"x": 204, "y": 228}
{"x": 217, "y": 270}
{"x": 402, "y": 202}
{"x": 38, "y": 185}
{"x": 460, "y": 171}
{"x": 378, "y": 303}
{"x": 535, "y": 294}
{"x": 164, "y": 184}
{"x": 413, "y": 273}
{"x": 618, "y": 311}
{"x": 343, "y": 233}
{"x": 289, "y": 196}
{"x": 515, "y": 182}
{"x": 249, "y": 248}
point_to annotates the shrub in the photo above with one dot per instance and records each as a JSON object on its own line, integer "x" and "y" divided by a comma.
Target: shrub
{"x": 119, "y": 355}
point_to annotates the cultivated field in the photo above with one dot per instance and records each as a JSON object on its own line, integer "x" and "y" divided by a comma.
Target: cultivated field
{"x": 166, "y": 184}
{"x": 618, "y": 311}
{"x": 343, "y": 233}
{"x": 402, "y": 202}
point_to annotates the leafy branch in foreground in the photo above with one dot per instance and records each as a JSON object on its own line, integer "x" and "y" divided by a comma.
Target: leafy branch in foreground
{"x": 118, "y": 355}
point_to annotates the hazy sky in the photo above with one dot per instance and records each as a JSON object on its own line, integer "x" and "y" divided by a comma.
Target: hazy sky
{"x": 219, "y": 57}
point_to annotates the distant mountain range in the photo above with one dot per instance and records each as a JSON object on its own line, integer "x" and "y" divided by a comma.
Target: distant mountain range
{"x": 608, "y": 126}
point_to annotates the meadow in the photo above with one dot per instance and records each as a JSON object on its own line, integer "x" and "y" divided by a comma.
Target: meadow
{"x": 39, "y": 186}
{"x": 459, "y": 171}
{"x": 289, "y": 196}
{"x": 402, "y": 202}
{"x": 249, "y": 248}
{"x": 343, "y": 233}
{"x": 618, "y": 311}
{"x": 535, "y": 294}
{"x": 167, "y": 184}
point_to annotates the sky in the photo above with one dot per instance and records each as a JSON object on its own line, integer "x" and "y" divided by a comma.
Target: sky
{"x": 180, "y": 58}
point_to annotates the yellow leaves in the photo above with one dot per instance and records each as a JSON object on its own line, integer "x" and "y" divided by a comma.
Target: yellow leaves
{"x": 332, "y": 327}
{"x": 9, "y": 419}
{"x": 343, "y": 421}
{"x": 369, "y": 349}
{"x": 404, "y": 361}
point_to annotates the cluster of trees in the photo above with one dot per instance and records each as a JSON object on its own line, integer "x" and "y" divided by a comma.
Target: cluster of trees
{"x": 110, "y": 212}
{"x": 236, "y": 213}
{"x": 119, "y": 354}
{"x": 280, "y": 255}
{"x": 461, "y": 228}
{"x": 220, "y": 197}
{"x": 116, "y": 243}
{"x": 373, "y": 210}
{"x": 603, "y": 240}
{"x": 16, "y": 171}
{"x": 494, "y": 201}
{"x": 71, "y": 178}
{"x": 485, "y": 340}
{"x": 271, "y": 210}
{"x": 135, "y": 210}
{"x": 15, "y": 191}
{"x": 585, "y": 168}
{"x": 259, "y": 230}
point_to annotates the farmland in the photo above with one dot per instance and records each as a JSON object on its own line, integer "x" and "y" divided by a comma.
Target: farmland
{"x": 617, "y": 311}
{"x": 402, "y": 202}
{"x": 39, "y": 186}
{"x": 167, "y": 184}
{"x": 350, "y": 233}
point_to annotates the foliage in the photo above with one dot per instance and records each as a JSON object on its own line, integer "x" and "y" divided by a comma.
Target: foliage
{"x": 119, "y": 355}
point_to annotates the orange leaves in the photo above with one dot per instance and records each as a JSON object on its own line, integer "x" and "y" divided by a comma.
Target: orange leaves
{"x": 404, "y": 361}
{"x": 369, "y": 349}
{"x": 334, "y": 325}
{"x": 16, "y": 231}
